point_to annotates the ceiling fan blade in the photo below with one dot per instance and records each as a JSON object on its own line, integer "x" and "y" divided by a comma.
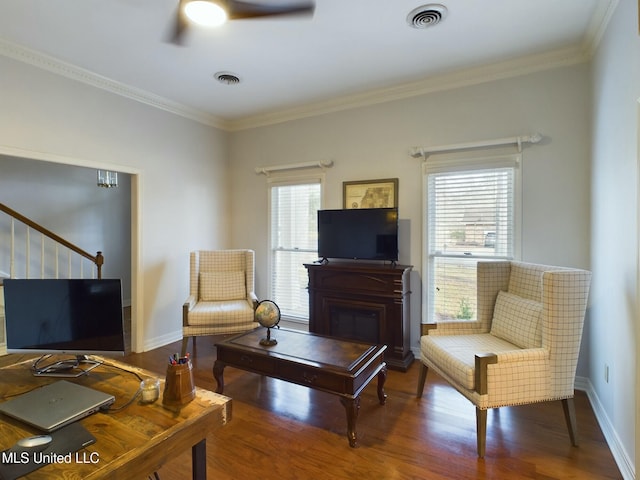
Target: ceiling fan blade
{"x": 180, "y": 25}
{"x": 238, "y": 10}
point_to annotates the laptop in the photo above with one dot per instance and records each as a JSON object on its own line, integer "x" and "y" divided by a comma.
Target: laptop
{"x": 55, "y": 405}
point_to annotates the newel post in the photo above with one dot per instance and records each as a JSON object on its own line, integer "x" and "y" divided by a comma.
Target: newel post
{"x": 99, "y": 261}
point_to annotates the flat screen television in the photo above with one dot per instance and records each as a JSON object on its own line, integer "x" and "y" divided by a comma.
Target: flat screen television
{"x": 78, "y": 317}
{"x": 358, "y": 234}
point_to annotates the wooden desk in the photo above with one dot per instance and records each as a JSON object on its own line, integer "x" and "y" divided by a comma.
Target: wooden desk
{"x": 328, "y": 364}
{"x": 131, "y": 443}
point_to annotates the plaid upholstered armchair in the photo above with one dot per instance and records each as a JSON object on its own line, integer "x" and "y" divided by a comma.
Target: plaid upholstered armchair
{"x": 221, "y": 297}
{"x": 523, "y": 348}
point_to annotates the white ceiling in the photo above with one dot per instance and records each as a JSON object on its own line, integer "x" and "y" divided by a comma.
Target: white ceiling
{"x": 348, "y": 51}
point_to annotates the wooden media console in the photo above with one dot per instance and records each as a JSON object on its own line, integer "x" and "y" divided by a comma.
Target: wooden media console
{"x": 364, "y": 302}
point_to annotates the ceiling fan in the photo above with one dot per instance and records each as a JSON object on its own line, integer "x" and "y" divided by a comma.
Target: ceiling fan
{"x": 216, "y": 12}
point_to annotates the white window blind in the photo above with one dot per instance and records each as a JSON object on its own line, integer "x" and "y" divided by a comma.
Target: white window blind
{"x": 294, "y": 242}
{"x": 471, "y": 215}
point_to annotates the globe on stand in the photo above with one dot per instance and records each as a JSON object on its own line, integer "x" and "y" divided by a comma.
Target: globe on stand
{"x": 267, "y": 314}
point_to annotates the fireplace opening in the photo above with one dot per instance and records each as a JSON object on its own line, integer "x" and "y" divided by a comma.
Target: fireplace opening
{"x": 355, "y": 324}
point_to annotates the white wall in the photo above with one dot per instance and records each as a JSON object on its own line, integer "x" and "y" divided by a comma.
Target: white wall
{"x": 180, "y": 173}
{"x": 614, "y": 295}
{"x": 373, "y": 142}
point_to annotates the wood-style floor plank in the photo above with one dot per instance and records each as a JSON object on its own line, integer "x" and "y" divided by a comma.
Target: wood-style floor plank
{"x": 284, "y": 431}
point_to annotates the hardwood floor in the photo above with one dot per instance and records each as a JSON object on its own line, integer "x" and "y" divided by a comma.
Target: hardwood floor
{"x": 283, "y": 431}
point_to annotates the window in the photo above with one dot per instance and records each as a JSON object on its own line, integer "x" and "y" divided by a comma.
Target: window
{"x": 471, "y": 215}
{"x": 294, "y": 242}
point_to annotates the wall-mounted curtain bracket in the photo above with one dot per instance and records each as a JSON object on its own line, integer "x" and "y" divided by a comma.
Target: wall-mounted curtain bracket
{"x": 424, "y": 152}
{"x": 323, "y": 164}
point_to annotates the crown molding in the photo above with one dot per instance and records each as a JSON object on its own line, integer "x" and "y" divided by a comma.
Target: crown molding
{"x": 54, "y": 65}
{"x": 461, "y": 78}
{"x": 458, "y": 79}
{"x": 598, "y": 25}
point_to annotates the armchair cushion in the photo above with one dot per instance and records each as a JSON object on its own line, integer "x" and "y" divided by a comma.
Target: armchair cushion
{"x": 222, "y": 286}
{"x": 455, "y": 354}
{"x": 517, "y": 320}
{"x": 231, "y": 314}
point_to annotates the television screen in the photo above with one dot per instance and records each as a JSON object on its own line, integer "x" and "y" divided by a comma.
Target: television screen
{"x": 70, "y": 316}
{"x": 363, "y": 234}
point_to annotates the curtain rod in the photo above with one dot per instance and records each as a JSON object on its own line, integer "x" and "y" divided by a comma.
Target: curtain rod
{"x": 294, "y": 166}
{"x": 417, "y": 152}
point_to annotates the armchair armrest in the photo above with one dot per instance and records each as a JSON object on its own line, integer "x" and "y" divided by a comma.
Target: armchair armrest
{"x": 523, "y": 355}
{"x": 188, "y": 305}
{"x": 464, "y": 327}
{"x": 480, "y": 372}
{"x": 425, "y": 328}
{"x": 516, "y": 356}
{"x": 253, "y": 300}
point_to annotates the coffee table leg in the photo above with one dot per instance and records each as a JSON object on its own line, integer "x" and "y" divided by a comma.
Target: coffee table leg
{"x": 199, "y": 460}
{"x": 352, "y": 406}
{"x": 382, "y": 377}
{"x": 218, "y": 369}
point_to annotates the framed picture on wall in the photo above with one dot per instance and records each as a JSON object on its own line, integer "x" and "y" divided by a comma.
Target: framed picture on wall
{"x": 370, "y": 193}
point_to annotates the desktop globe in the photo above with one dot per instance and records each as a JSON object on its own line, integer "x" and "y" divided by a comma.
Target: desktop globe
{"x": 267, "y": 314}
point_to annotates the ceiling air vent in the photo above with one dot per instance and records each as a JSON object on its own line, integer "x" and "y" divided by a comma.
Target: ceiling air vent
{"x": 227, "y": 78}
{"x": 426, "y": 15}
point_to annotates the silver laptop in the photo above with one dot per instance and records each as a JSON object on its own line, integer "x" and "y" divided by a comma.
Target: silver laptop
{"x": 55, "y": 405}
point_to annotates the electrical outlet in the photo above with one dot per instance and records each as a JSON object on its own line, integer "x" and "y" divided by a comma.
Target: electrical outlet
{"x": 606, "y": 373}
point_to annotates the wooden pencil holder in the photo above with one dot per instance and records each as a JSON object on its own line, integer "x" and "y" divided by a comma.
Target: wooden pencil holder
{"x": 179, "y": 387}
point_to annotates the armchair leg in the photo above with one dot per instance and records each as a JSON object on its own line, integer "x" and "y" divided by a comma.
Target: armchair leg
{"x": 421, "y": 379}
{"x": 481, "y": 431}
{"x": 569, "y": 407}
{"x": 185, "y": 341}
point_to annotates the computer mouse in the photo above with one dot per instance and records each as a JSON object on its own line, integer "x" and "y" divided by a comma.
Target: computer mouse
{"x": 35, "y": 443}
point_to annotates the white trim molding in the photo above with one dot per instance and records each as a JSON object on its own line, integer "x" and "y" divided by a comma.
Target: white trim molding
{"x": 54, "y": 65}
{"x": 457, "y": 79}
{"x": 620, "y": 455}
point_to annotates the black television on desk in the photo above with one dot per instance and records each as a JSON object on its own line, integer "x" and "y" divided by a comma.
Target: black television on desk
{"x": 77, "y": 317}
{"x": 358, "y": 234}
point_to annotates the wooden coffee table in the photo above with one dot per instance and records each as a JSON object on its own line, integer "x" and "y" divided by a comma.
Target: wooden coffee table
{"x": 327, "y": 364}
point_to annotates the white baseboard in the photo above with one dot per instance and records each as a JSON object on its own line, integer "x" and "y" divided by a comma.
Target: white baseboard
{"x": 620, "y": 455}
{"x": 163, "y": 340}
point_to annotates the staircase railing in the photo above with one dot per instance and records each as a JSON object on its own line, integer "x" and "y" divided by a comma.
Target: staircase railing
{"x": 97, "y": 260}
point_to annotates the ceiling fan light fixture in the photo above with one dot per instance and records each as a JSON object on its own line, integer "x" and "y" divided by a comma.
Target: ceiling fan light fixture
{"x": 205, "y": 12}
